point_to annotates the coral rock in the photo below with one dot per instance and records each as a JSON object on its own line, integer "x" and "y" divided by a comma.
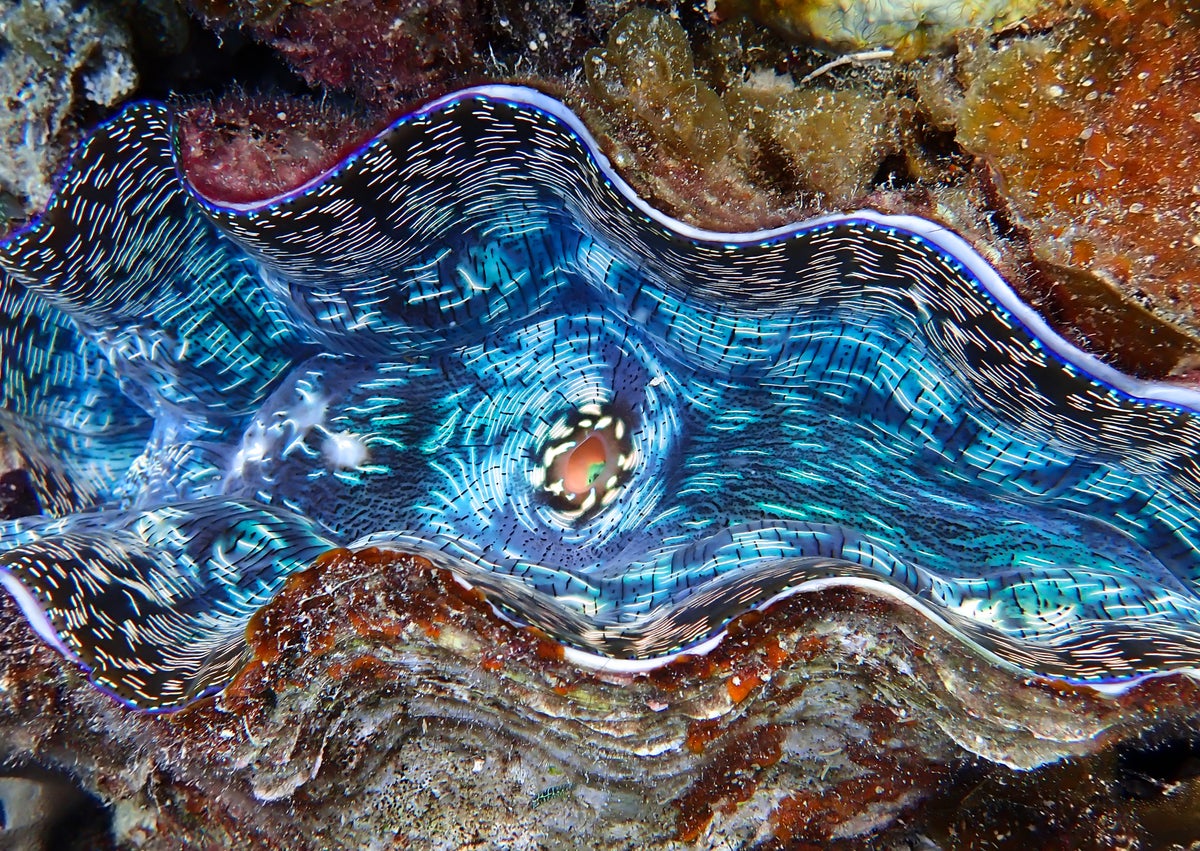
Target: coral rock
{"x": 241, "y": 150}
{"x": 831, "y": 142}
{"x": 1094, "y": 136}
{"x": 385, "y": 52}
{"x": 914, "y": 26}
{"x": 56, "y": 58}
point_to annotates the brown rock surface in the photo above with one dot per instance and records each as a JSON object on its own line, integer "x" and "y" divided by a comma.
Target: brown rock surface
{"x": 1093, "y": 132}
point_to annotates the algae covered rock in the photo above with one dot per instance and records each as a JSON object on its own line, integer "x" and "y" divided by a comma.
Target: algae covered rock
{"x": 57, "y": 58}
{"x": 912, "y": 26}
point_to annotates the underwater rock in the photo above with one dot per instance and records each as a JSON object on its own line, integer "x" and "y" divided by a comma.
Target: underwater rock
{"x": 386, "y": 53}
{"x": 390, "y": 54}
{"x": 545, "y": 41}
{"x": 59, "y": 59}
{"x": 1094, "y": 137}
{"x": 45, "y": 811}
{"x": 830, "y": 142}
{"x": 913, "y": 27}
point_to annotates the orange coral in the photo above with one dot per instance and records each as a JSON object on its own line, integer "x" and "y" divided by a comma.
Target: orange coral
{"x": 1095, "y": 135}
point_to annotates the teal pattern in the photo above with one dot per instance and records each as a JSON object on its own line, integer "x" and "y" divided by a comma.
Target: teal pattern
{"x": 472, "y": 340}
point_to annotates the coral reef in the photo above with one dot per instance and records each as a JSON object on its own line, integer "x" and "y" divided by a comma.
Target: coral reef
{"x": 732, "y": 144}
{"x": 646, "y": 73}
{"x": 831, "y": 142}
{"x": 666, "y": 127}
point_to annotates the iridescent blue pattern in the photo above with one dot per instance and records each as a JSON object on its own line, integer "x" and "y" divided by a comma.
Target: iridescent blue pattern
{"x": 428, "y": 346}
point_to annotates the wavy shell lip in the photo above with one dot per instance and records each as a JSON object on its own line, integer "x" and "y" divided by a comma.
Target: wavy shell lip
{"x": 621, "y": 666}
{"x": 937, "y": 234}
{"x": 271, "y": 360}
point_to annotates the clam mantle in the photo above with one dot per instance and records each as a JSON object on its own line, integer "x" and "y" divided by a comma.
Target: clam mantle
{"x": 472, "y": 342}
